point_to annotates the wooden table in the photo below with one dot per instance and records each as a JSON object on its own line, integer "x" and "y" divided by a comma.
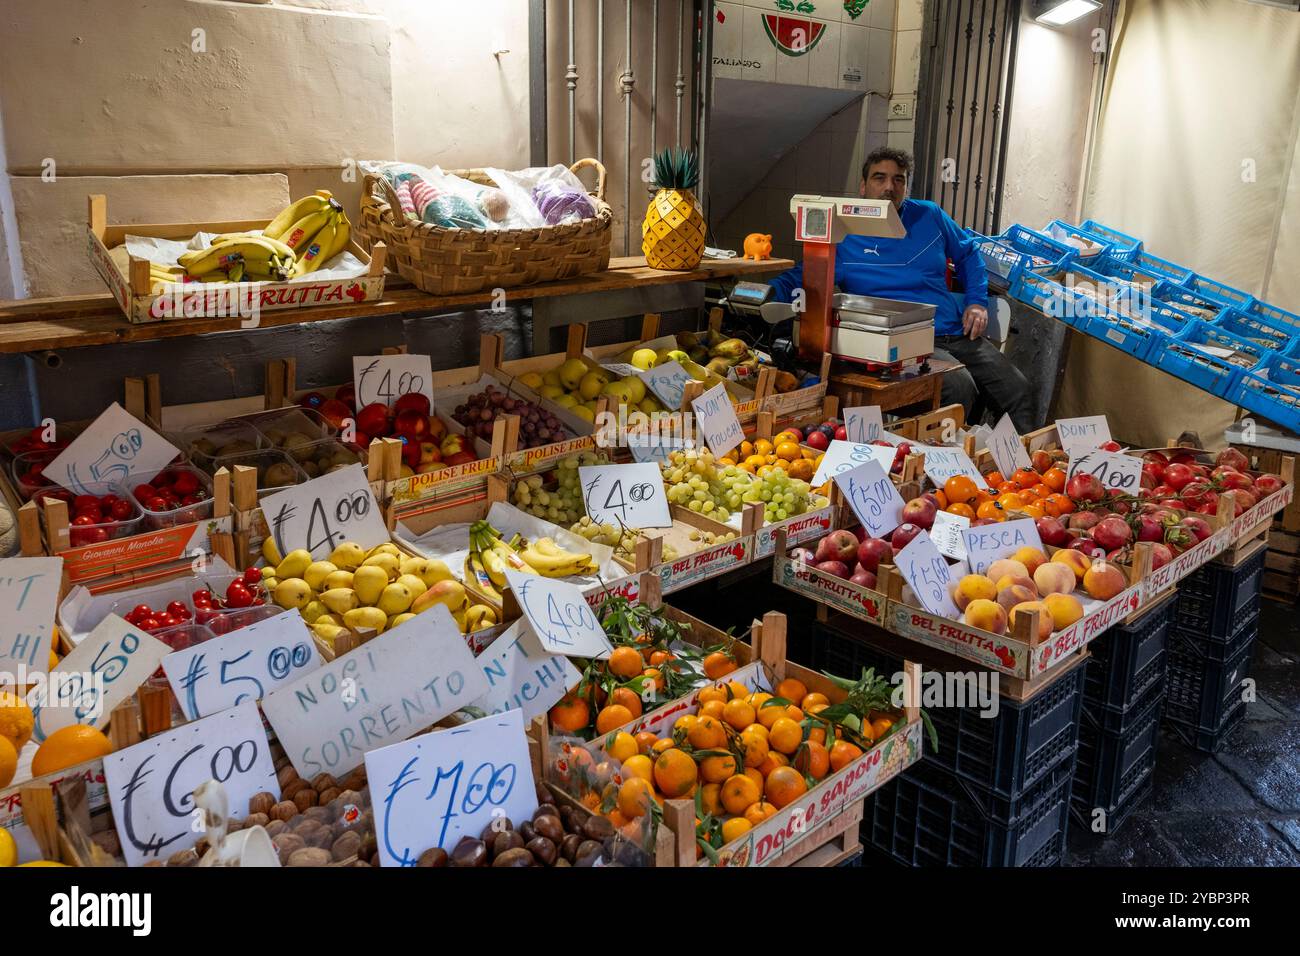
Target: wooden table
{"x": 30, "y": 325}
{"x": 898, "y": 391}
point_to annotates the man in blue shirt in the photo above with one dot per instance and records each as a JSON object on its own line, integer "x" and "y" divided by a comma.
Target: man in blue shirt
{"x": 914, "y": 269}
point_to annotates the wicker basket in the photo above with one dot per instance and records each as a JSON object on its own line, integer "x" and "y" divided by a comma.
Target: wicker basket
{"x": 444, "y": 261}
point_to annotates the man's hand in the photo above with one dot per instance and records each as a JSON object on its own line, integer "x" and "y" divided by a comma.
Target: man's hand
{"x": 974, "y": 321}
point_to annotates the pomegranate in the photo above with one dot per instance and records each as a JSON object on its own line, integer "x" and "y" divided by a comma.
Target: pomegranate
{"x": 1148, "y": 480}
{"x": 1178, "y": 475}
{"x": 1089, "y": 547}
{"x": 903, "y": 535}
{"x": 1120, "y": 555}
{"x": 1160, "y": 555}
{"x": 1172, "y": 503}
{"x": 1266, "y": 485}
{"x": 872, "y": 552}
{"x": 1112, "y": 533}
{"x": 1148, "y": 527}
{"x": 1051, "y": 532}
{"x": 1235, "y": 479}
{"x": 1196, "y": 493}
{"x": 920, "y": 512}
{"x": 1082, "y": 520}
{"x": 1200, "y": 471}
{"x": 1184, "y": 457}
{"x": 1244, "y": 500}
{"x": 1209, "y": 508}
{"x": 1233, "y": 458}
{"x": 1085, "y": 488}
{"x": 1155, "y": 457}
{"x": 1155, "y": 470}
{"x": 1110, "y": 446}
{"x": 1179, "y": 538}
{"x": 1198, "y": 526}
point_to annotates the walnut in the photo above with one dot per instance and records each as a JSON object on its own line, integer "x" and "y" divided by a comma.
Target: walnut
{"x": 284, "y": 810}
{"x": 309, "y": 856}
{"x": 305, "y": 799}
{"x": 261, "y": 803}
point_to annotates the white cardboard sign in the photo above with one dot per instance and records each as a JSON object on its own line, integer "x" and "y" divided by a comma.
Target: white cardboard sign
{"x": 321, "y": 514}
{"x": 716, "y": 419}
{"x": 1085, "y": 434}
{"x": 29, "y": 595}
{"x": 116, "y": 657}
{"x": 386, "y": 378}
{"x": 926, "y": 572}
{"x": 1116, "y": 471}
{"x": 872, "y": 496}
{"x": 992, "y": 542}
{"x": 667, "y": 381}
{"x": 151, "y": 784}
{"x": 115, "y": 446}
{"x": 844, "y": 456}
{"x": 944, "y": 463}
{"x": 947, "y": 533}
{"x": 436, "y": 788}
{"x": 628, "y": 495}
{"x": 521, "y": 676}
{"x": 1007, "y": 449}
{"x": 384, "y": 691}
{"x": 559, "y": 615}
{"x": 863, "y": 424}
{"x": 647, "y": 447}
{"x": 246, "y": 664}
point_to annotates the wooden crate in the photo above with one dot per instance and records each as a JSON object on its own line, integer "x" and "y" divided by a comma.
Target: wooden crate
{"x": 1281, "y": 579}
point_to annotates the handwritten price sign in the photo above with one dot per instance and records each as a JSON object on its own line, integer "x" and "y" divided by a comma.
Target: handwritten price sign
{"x": 926, "y": 572}
{"x": 386, "y": 378}
{"x": 29, "y": 594}
{"x": 717, "y": 421}
{"x": 117, "y": 446}
{"x": 667, "y": 382}
{"x": 947, "y": 534}
{"x": 1007, "y": 449}
{"x": 844, "y": 456}
{"x": 559, "y": 615}
{"x": 630, "y": 495}
{"x": 321, "y": 514}
{"x": 521, "y": 676}
{"x": 863, "y": 424}
{"x": 102, "y": 671}
{"x": 872, "y": 497}
{"x": 436, "y": 788}
{"x": 1116, "y": 472}
{"x": 151, "y": 784}
{"x": 244, "y": 665}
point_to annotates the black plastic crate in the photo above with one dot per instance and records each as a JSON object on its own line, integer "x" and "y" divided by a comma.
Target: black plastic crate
{"x": 1201, "y": 692}
{"x": 1126, "y": 662}
{"x": 1212, "y": 599}
{"x": 855, "y": 860}
{"x": 1111, "y": 768}
{"x": 1004, "y": 755}
{"x": 925, "y": 817}
{"x": 1214, "y": 649}
{"x": 1205, "y": 740}
{"x": 1115, "y": 819}
{"x": 1116, "y": 720}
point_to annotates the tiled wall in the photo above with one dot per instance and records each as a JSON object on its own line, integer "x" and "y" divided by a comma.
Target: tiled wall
{"x": 906, "y": 75}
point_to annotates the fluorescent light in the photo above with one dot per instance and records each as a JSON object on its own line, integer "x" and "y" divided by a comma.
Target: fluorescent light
{"x": 1057, "y": 13}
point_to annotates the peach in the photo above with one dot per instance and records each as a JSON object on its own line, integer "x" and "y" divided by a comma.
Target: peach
{"x": 1103, "y": 581}
{"x": 1000, "y": 569}
{"x": 1064, "y": 608}
{"x": 973, "y": 587}
{"x": 1076, "y": 561}
{"x": 1045, "y": 620}
{"x": 1055, "y": 577}
{"x": 986, "y": 615}
{"x": 1007, "y": 580}
{"x": 1031, "y": 558}
{"x": 1015, "y": 594}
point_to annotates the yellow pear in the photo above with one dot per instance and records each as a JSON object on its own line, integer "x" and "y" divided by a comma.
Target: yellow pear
{"x": 369, "y": 581}
{"x": 386, "y": 548}
{"x": 294, "y": 565}
{"x": 397, "y": 619}
{"x": 531, "y": 379}
{"x": 450, "y": 593}
{"x": 395, "y": 598}
{"x": 571, "y": 373}
{"x": 312, "y": 612}
{"x": 317, "y": 572}
{"x": 414, "y": 582}
{"x": 337, "y": 579}
{"x": 428, "y": 570}
{"x": 366, "y": 617}
{"x": 340, "y": 600}
{"x": 347, "y": 556}
{"x": 270, "y": 552}
{"x": 390, "y": 563}
{"x": 550, "y": 378}
{"x": 327, "y": 632}
{"x": 293, "y": 593}
{"x": 636, "y": 389}
{"x": 336, "y": 619}
{"x": 269, "y": 582}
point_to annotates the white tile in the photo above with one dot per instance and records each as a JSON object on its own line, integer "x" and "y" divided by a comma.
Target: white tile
{"x": 793, "y": 36}
{"x": 907, "y": 61}
{"x": 902, "y": 139}
{"x": 757, "y": 50}
{"x": 728, "y": 41}
{"x": 824, "y": 58}
{"x": 909, "y": 15}
{"x": 855, "y": 57}
{"x": 881, "y": 14}
{"x": 880, "y": 60}
{"x": 877, "y": 114}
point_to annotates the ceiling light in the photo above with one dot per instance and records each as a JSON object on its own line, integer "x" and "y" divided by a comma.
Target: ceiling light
{"x": 1056, "y": 13}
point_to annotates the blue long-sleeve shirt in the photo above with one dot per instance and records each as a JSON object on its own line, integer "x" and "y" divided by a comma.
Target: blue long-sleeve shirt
{"x": 913, "y": 268}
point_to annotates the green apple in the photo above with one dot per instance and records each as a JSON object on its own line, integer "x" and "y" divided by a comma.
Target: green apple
{"x": 565, "y": 401}
{"x": 635, "y": 388}
{"x": 618, "y": 390}
{"x": 645, "y": 359}
{"x": 591, "y": 384}
{"x": 550, "y": 391}
{"x": 571, "y": 373}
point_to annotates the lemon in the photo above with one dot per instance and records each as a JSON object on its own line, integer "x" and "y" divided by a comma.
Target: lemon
{"x": 15, "y": 719}
{"x": 42, "y": 863}
{"x": 8, "y": 849}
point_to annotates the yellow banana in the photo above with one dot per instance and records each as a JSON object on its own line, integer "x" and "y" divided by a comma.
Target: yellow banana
{"x": 317, "y": 250}
{"x": 556, "y": 566}
{"x": 237, "y": 272}
{"x": 200, "y": 261}
{"x": 510, "y": 557}
{"x": 300, "y": 234}
{"x": 277, "y": 227}
{"x": 476, "y": 576}
{"x": 496, "y": 570}
{"x": 273, "y": 245}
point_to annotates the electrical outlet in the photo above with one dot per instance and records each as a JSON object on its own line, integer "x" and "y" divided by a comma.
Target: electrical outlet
{"x": 901, "y": 107}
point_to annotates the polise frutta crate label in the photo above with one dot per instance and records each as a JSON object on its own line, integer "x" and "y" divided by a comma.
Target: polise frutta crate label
{"x": 443, "y": 481}
{"x": 812, "y": 524}
{"x": 1184, "y": 564}
{"x": 674, "y": 575}
{"x": 544, "y": 456}
{"x": 992, "y": 651}
{"x": 1060, "y": 645}
{"x": 858, "y": 602}
{"x": 119, "y": 555}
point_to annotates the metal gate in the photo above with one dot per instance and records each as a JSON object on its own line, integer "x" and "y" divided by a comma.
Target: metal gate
{"x": 968, "y": 62}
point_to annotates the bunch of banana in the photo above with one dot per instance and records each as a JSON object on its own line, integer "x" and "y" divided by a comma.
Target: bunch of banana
{"x": 234, "y": 257}
{"x": 489, "y": 557}
{"x": 315, "y": 229}
{"x": 550, "y": 560}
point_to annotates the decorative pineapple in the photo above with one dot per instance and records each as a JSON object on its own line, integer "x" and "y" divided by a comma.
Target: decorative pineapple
{"x": 672, "y": 234}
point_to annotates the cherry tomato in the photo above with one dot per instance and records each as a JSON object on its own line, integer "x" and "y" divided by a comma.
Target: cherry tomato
{"x": 186, "y": 484}
{"x": 178, "y": 609}
{"x": 201, "y": 596}
{"x": 167, "y": 620}
{"x": 121, "y": 510}
{"x": 84, "y": 518}
{"x": 139, "y": 613}
{"x": 190, "y": 500}
{"x": 157, "y": 504}
{"x": 252, "y": 575}
{"x": 85, "y": 503}
{"x": 144, "y": 492}
{"x": 149, "y": 624}
{"x": 238, "y": 595}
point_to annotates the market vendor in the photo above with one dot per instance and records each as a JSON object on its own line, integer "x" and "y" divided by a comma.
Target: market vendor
{"x": 914, "y": 269}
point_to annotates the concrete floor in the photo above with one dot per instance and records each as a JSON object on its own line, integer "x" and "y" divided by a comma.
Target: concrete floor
{"x": 1239, "y": 807}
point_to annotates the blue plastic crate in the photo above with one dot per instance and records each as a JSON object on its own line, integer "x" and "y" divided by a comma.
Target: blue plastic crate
{"x": 1049, "y": 297}
{"x": 1122, "y": 244}
{"x": 1217, "y": 291}
{"x": 1276, "y": 317}
{"x": 1131, "y": 272}
{"x": 1162, "y": 267}
{"x": 1263, "y": 332}
{"x": 1186, "y": 300}
{"x": 1272, "y": 389}
{"x": 1022, "y": 250}
{"x": 1180, "y": 357}
{"x": 1062, "y": 231}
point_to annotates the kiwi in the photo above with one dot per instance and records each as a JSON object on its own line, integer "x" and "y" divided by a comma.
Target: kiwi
{"x": 281, "y": 473}
{"x": 237, "y": 447}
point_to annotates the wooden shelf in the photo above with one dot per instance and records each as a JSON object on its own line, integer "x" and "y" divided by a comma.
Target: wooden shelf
{"x": 30, "y": 325}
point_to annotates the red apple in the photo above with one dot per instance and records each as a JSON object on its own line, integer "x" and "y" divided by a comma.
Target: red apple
{"x": 864, "y": 579}
{"x": 373, "y": 419}
{"x": 1083, "y": 487}
{"x": 459, "y": 458}
{"x": 335, "y": 412}
{"x": 920, "y": 512}
{"x": 347, "y": 394}
{"x": 872, "y": 552}
{"x": 412, "y": 421}
{"x": 837, "y": 568}
{"x": 817, "y": 440}
{"x": 311, "y": 400}
{"x": 1051, "y": 531}
{"x": 841, "y": 434}
{"x": 903, "y": 535}
{"x": 412, "y": 401}
{"x": 839, "y": 545}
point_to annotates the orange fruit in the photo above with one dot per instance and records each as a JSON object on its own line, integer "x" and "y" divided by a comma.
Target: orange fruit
{"x": 784, "y": 786}
{"x": 684, "y": 723}
{"x": 616, "y": 817}
{"x": 963, "y": 509}
{"x": 8, "y": 761}
{"x": 16, "y": 719}
{"x": 785, "y": 735}
{"x": 707, "y": 734}
{"x": 675, "y": 773}
{"x": 717, "y": 692}
{"x": 639, "y": 765}
{"x": 789, "y": 451}
{"x": 623, "y": 747}
{"x": 739, "y": 714}
{"x": 880, "y": 726}
{"x": 717, "y": 769}
{"x": 754, "y": 745}
{"x": 738, "y": 689}
{"x": 612, "y": 717}
{"x": 660, "y": 746}
{"x": 769, "y": 715}
{"x": 1054, "y": 478}
{"x": 625, "y": 662}
{"x": 634, "y": 797}
{"x": 994, "y": 478}
{"x": 711, "y": 800}
{"x": 718, "y": 665}
{"x": 810, "y": 700}
{"x": 990, "y": 511}
{"x": 753, "y": 774}
{"x": 792, "y": 689}
{"x": 794, "y": 713}
{"x": 653, "y": 675}
{"x": 1034, "y": 511}
{"x": 645, "y": 740}
{"x": 734, "y": 829}
{"x": 843, "y": 753}
{"x": 626, "y": 697}
{"x": 659, "y": 658}
{"x": 771, "y": 762}
{"x": 68, "y": 747}
{"x": 812, "y": 760}
{"x": 1064, "y": 505}
{"x": 571, "y": 714}
{"x": 1006, "y": 487}
{"x": 713, "y": 708}
{"x": 1010, "y": 502}
{"x": 817, "y": 735}
{"x": 758, "y": 699}
{"x": 758, "y": 812}
{"x": 959, "y": 488}
{"x": 739, "y": 792}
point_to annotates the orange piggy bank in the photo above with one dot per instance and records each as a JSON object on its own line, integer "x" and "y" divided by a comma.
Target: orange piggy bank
{"x": 758, "y": 246}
